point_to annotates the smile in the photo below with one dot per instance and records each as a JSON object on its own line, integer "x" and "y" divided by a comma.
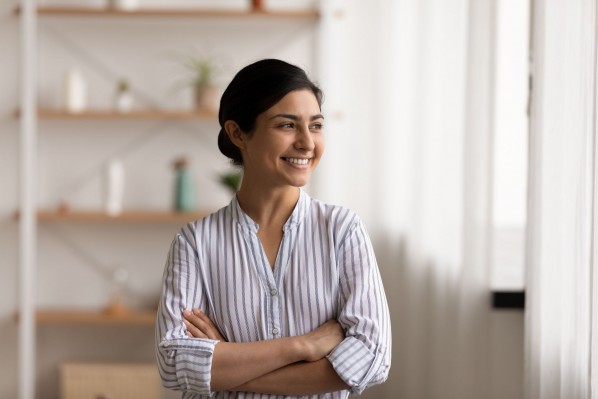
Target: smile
{"x": 297, "y": 161}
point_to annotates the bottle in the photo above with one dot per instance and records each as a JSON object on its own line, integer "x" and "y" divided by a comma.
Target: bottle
{"x": 123, "y": 101}
{"x": 184, "y": 192}
{"x": 76, "y": 91}
{"x": 114, "y": 187}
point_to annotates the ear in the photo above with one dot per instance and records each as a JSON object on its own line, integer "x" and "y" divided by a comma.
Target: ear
{"x": 235, "y": 134}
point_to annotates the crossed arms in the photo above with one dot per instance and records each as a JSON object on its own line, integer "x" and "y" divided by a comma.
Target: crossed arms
{"x": 286, "y": 366}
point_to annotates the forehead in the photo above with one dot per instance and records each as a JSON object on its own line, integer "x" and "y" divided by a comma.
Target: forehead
{"x": 297, "y": 102}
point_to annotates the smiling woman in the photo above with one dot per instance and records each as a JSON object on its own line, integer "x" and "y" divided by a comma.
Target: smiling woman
{"x": 277, "y": 293}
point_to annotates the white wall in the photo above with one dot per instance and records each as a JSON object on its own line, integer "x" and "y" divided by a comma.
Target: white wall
{"x": 70, "y": 158}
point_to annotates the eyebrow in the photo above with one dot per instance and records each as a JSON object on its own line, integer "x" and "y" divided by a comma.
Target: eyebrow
{"x": 296, "y": 118}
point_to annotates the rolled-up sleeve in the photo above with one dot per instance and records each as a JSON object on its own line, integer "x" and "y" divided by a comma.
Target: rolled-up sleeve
{"x": 363, "y": 358}
{"x": 184, "y": 363}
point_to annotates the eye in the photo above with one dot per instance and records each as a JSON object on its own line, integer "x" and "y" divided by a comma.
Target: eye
{"x": 318, "y": 126}
{"x": 287, "y": 125}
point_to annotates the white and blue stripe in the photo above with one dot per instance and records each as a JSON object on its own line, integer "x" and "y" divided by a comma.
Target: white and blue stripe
{"x": 325, "y": 269}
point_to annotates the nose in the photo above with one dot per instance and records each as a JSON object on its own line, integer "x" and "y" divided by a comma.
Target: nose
{"x": 304, "y": 140}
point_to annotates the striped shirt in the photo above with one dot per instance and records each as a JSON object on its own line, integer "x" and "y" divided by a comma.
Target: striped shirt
{"x": 325, "y": 269}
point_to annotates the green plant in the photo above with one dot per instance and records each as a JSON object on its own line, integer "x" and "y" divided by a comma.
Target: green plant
{"x": 202, "y": 71}
{"x": 231, "y": 180}
{"x": 122, "y": 85}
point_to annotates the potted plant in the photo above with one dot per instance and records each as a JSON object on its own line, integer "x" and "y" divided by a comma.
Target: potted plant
{"x": 231, "y": 180}
{"x": 202, "y": 78}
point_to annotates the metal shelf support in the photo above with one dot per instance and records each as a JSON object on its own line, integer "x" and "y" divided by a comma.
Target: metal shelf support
{"x": 28, "y": 182}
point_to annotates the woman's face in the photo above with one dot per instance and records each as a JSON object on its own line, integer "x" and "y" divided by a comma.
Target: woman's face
{"x": 287, "y": 142}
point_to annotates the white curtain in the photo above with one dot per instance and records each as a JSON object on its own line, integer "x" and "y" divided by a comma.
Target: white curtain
{"x": 412, "y": 147}
{"x": 440, "y": 160}
{"x": 562, "y": 279}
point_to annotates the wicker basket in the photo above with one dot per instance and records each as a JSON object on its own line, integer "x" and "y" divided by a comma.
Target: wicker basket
{"x": 109, "y": 381}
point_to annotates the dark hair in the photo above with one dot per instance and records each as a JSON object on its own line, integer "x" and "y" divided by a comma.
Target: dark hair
{"x": 253, "y": 90}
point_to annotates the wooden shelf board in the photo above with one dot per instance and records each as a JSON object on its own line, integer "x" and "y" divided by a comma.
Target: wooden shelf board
{"x": 45, "y": 113}
{"x": 175, "y": 12}
{"x": 93, "y": 317}
{"x": 133, "y": 216}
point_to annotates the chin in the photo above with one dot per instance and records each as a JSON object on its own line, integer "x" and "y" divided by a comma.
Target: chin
{"x": 299, "y": 183}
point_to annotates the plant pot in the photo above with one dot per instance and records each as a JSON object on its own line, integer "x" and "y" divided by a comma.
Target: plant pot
{"x": 207, "y": 98}
{"x": 258, "y": 5}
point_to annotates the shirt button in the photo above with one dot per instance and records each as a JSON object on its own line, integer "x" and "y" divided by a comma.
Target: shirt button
{"x": 274, "y": 291}
{"x": 275, "y": 331}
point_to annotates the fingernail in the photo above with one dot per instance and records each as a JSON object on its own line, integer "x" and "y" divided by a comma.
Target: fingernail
{"x": 186, "y": 312}
{"x": 197, "y": 311}
{"x": 186, "y": 322}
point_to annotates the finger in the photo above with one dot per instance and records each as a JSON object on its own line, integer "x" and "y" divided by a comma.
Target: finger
{"x": 193, "y": 331}
{"x": 205, "y": 319}
{"x": 200, "y": 324}
{"x": 214, "y": 330}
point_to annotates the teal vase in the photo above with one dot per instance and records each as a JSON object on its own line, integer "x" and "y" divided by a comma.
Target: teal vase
{"x": 184, "y": 191}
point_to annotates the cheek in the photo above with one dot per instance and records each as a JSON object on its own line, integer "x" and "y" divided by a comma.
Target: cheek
{"x": 320, "y": 145}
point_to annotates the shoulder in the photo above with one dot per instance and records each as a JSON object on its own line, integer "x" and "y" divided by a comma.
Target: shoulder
{"x": 339, "y": 219}
{"x": 193, "y": 231}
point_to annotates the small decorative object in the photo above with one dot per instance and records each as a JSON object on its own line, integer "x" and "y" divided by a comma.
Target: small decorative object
{"x": 76, "y": 91}
{"x": 125, "y": 5}
{"x": 205, "y": 91}
{"x": 114, "y": 187}
{"x": 184, "y": 192}
{"x": 123, "y": 100}
{"x": 258, "y": 5}
{"x": 231, "y": 180}
{"x": 118, "y": 305}
{"x": 64, "y": 206}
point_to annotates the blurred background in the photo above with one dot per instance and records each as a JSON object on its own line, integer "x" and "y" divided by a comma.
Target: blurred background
{"x": 427, "y": 105}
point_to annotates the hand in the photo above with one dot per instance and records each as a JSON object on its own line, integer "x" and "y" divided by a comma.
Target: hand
{"x": 200, "y": 326}
{"x": 322, "y": 340}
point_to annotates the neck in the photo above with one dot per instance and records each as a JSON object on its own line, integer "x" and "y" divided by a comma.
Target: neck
{"x": 269, "y": 208}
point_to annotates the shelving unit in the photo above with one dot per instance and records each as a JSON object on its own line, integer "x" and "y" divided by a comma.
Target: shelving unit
{"x": 141, "y": 114}
{"x": 93, "y": 318}
{"x": 179, "y": 12}
{"x": 81, "y": 317}
{"x": 129, "y": 216}
{"x": 31, "y": 317}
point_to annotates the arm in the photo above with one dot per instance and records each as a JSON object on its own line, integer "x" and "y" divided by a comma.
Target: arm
{"x": 363, "y": 358}
{"x": 259, "y": 366}
{"x": 183, "y": 364}
{"x": 299, "y": 379}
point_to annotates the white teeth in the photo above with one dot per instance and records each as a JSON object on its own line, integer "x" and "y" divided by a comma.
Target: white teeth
{"x": 298, "y": 161}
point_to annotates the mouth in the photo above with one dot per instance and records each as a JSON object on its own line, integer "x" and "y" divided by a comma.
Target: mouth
{"x": 297, "y": 161}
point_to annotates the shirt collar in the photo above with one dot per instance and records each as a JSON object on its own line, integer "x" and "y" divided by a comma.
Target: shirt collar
{"x": 299, "y": 213}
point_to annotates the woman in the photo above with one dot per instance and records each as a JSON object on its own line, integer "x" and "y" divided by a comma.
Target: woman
{"x": 277, "y": 293}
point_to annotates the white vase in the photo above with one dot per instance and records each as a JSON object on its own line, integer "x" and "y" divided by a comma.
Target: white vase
{"x": 75, "y": 91}
{"x": 125, "y": 5}
{"x": 123, "y": 101}
{"x": 114, "y": 187}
